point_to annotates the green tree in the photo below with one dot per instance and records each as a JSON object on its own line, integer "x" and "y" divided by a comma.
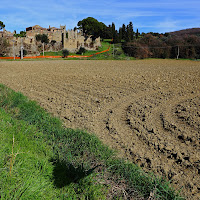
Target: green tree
{"x": 123, "y": 32}
{"x": 107, "y": 33}
{"x": 127, "y": 37}
{"x": 43, "y": 38}
{"x": 137, "y": 34}
{"x": 91, "y": 26}
{"x": 2, "y": 25}
{"x": 115, "y": 35}
{"x": 113, "y": 31}
{"x": 129, "y": 32}
{"x": 120, "y": 34}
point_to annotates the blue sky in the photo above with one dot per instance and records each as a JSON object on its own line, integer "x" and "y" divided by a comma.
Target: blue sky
{"x": 156, "y": 16}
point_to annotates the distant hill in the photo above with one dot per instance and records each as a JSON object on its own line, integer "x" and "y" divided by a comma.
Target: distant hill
{"x": 190, "y": 31}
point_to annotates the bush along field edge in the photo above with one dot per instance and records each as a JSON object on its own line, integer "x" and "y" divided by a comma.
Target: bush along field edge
{"x": 40, "y": 158}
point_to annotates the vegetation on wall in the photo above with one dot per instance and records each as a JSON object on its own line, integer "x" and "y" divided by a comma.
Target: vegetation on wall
{"x": 21, "y": 34}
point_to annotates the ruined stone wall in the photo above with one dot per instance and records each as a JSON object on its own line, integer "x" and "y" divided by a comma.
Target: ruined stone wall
{"x": 73, "y": 43}
{"x": 28, "y": 44}
{"x": 57, "y": 36}
{"x": 76, "y": 40}
{"x": 33, "y": 33}
{"x": 1, "y": 33}
{"x": 52, "y": 32}
{"x": 6, "y": 34}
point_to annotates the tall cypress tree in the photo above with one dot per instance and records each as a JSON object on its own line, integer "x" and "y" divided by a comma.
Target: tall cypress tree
{"x": 131, "y": 32}
{"x": 113, "y": 30}
{"x": 137, "y": 34}
{"x": 127, "y": 37}
{"x": 123, "y": 32}
{"x": 115, "y": 34}
{"x": 120, "y": 34}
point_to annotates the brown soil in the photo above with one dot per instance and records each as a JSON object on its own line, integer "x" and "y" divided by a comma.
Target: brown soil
{"x": 149, "y": 110}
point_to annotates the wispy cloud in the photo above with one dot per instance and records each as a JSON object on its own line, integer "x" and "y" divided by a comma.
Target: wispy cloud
{"x": 160, "y": 16}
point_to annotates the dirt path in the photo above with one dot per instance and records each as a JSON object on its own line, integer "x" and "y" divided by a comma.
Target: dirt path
{"x": 149, "y": 110}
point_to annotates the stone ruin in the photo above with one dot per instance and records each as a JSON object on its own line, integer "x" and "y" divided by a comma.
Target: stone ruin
{"x": 76, "y": 39}
{"x": 59, "y": 39}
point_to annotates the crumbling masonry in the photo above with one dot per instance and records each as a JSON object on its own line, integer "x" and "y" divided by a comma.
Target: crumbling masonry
{"x": 59, "y": 39}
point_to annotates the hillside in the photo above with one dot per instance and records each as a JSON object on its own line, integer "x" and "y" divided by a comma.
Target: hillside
{"x": 190, "y": 31}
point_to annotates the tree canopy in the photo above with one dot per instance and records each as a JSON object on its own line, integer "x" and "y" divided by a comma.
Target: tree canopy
{"x": 2, "y": 25}
{"x": 42, "y": 38}
{"x": 91, "y": 26}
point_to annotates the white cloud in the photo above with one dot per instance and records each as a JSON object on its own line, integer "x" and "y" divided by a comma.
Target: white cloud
{"x": 156, "y": 15}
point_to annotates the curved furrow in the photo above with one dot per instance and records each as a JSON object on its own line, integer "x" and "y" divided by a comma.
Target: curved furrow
{"x": 149, "y": 110}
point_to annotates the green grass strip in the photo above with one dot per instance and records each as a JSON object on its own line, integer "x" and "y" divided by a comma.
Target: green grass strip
{"x": 74, "y": 155}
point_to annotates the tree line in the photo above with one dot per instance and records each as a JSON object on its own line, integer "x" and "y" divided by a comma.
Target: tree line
{"x": 134, "y": 43}
{"x": 149, "y": 46}
{"x": 145, "y": 45}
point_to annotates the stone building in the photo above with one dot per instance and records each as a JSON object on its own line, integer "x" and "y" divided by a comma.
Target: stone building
{"x": 15, "y": 44}
{"x": 52, "y": 32}
{"x": 62, "y": 39}
{"x": 71, "y": 39}
{"x": 6, "y": 34}
{"x": 76, "y": 39}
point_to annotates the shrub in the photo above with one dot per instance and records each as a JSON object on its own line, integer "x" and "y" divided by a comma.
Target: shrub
{"x": 118, "y": 52}
{"x": 82, "y": 50}
{"x": 21, "y": 34}
{"x": 151, "y": 45}
{"x": 65, "y": 53}
{"x": 136, "y": 50}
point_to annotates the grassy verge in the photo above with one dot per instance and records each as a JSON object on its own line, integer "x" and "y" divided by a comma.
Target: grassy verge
{"x": 115, "y": 53}
{"x": 48, "y": 161}
{"x": 105, "y": 46}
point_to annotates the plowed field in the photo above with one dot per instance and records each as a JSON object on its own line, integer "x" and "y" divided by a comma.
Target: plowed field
{"x": 148, "y": 110}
